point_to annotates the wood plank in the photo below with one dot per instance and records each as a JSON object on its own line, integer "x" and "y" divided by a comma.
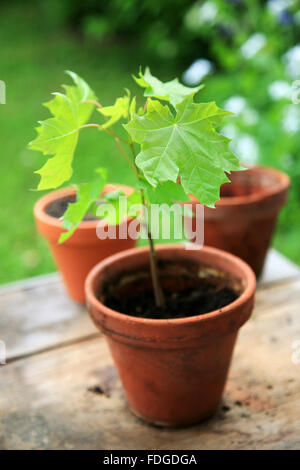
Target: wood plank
{"x": 45, "y": 402}
{"x": 40, "y": 316}
{"x": 36, "y": 314}
{"x": 278, "y": 267}
{"x": 30, "y": 283}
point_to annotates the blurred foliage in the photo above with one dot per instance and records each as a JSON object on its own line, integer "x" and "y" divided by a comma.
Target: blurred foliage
{"x": 180, "y": 29}
{"x": 247, "y": 53}
{"x": 250, "y": 49}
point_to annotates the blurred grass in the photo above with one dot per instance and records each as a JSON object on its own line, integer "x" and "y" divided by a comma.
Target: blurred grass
{"x": 32, "y": 66}
{"x": 32, "y": 63}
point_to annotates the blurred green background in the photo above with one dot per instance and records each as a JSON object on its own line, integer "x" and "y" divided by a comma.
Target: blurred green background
{"x": 246, "y": 52}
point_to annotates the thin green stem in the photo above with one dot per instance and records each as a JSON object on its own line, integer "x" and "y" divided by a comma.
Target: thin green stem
{"x": 132, "y": 166}
{"x": 158, "y": 292}
{"x": 117, "y": 141}
{"x": 99, "y": 105}
{"x": 94, "y": 102}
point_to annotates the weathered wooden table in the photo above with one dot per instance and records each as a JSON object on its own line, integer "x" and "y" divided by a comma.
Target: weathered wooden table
{"x": 59, "y": 389}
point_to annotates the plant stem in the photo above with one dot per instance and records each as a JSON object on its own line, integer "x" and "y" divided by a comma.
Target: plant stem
{"x": 94, "y": 102}
{"x": 111, "y": 131}
{"x": 158, "y": 292}
{"x": 117, "y": 141}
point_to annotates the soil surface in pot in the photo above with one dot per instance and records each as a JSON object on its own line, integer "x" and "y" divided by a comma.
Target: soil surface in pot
{"x": 58, "y": 208}
{"x": 188, "y": 292}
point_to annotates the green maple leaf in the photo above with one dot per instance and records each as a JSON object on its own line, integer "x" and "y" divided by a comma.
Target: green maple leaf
{"x": 113, "y": 209}
{"x": 122, "y": 108}
{"x": 86, "y": 197}
{"x": 118, "y": 206}
{"x": 184, "y": 145}
{"x": 58, "y": 135}
{"x": 119, "y": 110}
{"x": 164, "y": 193}
{"x": 172, "y": 91}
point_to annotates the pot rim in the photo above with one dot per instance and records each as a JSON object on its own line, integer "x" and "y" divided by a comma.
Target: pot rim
{"x": 282, "y": 184}
{"x": 42, "y": 203}
{"x": 93, "y": 276}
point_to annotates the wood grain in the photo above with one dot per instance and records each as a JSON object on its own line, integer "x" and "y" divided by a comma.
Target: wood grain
{"x": 39, "y": 316}
{"x": 70, "y": 397}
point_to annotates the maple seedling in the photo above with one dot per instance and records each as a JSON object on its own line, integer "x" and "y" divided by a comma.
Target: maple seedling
{"x": 173, "y": 148}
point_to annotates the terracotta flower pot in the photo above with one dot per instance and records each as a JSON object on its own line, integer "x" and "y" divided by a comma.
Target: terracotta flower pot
{"x": 173, "y": 371}
{"x": 246, "y": 215}
{"x": 77, "y": 256}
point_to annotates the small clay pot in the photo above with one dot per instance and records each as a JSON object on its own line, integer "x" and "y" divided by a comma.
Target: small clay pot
{"x": 173, "y": 371}
{"x": 244, "y": 219}
{"x": 83, "y": 250}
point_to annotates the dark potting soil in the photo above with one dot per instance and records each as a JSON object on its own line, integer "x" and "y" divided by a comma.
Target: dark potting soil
{"x": 195, "y": 296}
{"x": 178, "y": 304}
{"x": 58, "y": 208}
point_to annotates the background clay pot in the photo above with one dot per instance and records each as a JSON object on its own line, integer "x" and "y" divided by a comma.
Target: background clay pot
{"x": 77, "y": 256}
{"x": 246, "y": 215}
{"x": 173, "y": 371}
